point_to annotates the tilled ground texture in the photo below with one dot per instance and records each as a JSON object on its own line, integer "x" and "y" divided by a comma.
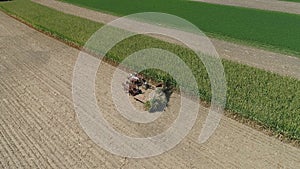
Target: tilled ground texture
{"x": 39, "y": 128}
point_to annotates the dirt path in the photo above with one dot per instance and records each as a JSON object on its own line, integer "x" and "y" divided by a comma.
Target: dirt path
{"x": 39, "y": 128}
{"x": 272, "y": 5}
{"x": 270, "y": 61}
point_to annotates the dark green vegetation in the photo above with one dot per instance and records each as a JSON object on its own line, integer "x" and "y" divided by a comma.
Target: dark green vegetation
{"x": 292, "y": 0}
{"x": 267, "y": 98}
{"x": 275, "y": 30}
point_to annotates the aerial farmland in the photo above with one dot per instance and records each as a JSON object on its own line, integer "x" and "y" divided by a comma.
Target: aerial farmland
{"x": 150, "y": 84}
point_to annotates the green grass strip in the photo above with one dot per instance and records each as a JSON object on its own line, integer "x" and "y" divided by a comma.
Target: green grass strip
{"x": 261, "y": 96}
{"x": 291, "y": 0}
{"x": 67, "y": 27}
{"x": 267, "y": 29}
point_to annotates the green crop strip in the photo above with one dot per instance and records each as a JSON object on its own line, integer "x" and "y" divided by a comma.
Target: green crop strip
{"x": 261, "y": 96}
{"x": 57, "y": 23}
{"x": 267, "y": 29}
{"x": 291, "y": 0}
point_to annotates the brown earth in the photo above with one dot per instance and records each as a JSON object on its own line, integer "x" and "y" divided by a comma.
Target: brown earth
{"x": 39, "y": 128}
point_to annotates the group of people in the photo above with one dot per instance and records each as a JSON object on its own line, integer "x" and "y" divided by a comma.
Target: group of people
{"x": 135, "y": 81}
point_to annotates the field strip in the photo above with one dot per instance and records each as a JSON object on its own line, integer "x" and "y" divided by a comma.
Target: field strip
{"x": 270, "y": 61}
{"x": 39, "y": 126}
{"x": 272, "y": 5}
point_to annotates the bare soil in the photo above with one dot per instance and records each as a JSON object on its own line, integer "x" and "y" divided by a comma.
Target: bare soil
{"x": 39, "y": 128}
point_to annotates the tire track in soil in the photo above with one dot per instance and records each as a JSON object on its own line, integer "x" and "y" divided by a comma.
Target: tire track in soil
{"x": 25, "y": 152}
{"x": 49, "y": 148}
{"x": 47, "y": 136}
{"x": 30, "y": 69}
{"x": 31, "y": 93}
